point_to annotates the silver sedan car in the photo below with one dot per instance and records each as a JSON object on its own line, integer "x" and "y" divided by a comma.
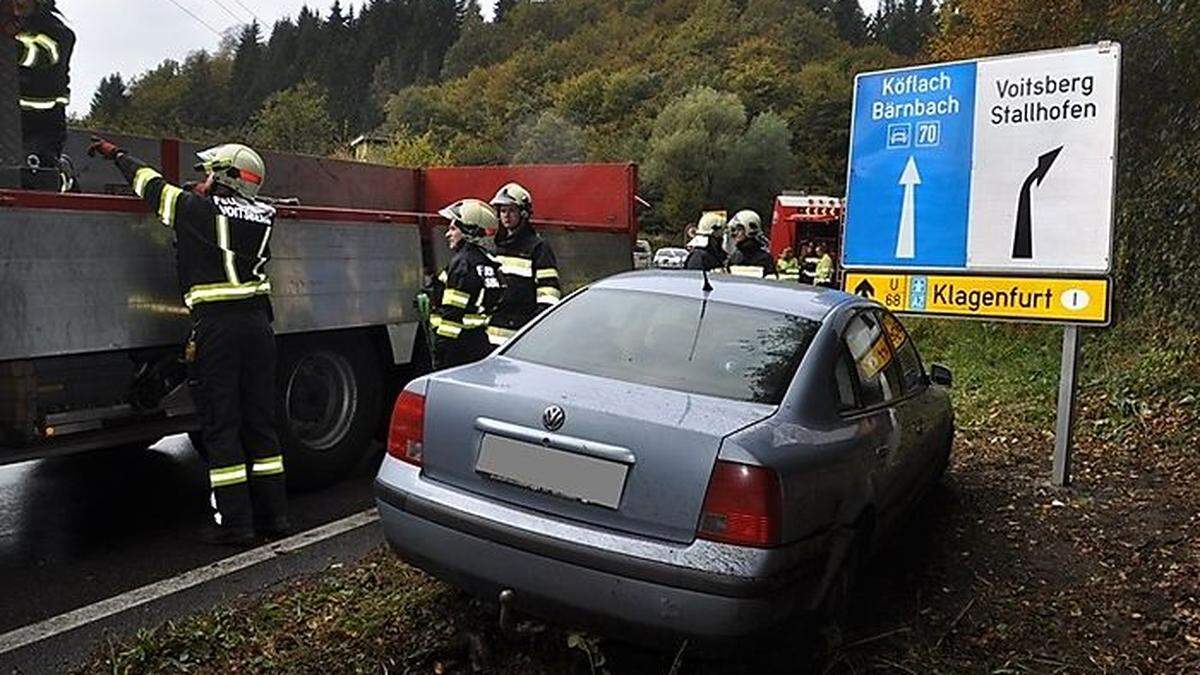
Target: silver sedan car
{"x": 670, "y": 258}
{"x": 657, "y": 456}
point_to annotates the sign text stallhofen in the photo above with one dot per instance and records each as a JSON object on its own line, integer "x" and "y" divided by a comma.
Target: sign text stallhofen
{"x": 1014, "y": 110}
{"x": 1051, "y": 102}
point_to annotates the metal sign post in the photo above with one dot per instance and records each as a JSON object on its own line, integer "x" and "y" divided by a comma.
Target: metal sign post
{"x": 985, "y": 189}
{"x": 1064, "y": 426}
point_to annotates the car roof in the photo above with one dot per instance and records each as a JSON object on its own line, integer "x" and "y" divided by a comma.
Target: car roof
{"x": 809, "y": 302}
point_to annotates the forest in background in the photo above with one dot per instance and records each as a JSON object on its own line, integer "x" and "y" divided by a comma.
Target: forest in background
{"x": 721, "y": 102}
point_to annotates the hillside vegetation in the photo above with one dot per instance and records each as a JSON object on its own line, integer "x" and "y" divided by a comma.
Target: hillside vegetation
{"x": 723, "y": 103}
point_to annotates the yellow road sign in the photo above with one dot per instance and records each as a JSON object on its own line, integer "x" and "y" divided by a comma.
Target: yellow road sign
{"x": 891, "y": 290}
{"x": 1084, "y": 301}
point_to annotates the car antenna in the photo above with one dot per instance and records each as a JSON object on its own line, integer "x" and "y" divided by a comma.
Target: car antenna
{"x": 708, "y": 288}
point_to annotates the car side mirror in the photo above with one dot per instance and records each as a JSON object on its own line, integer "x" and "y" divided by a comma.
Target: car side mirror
{"x": 939, "y": 374}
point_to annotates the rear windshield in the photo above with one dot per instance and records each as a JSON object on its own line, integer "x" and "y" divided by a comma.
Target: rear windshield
{"x": 677, "y": 343}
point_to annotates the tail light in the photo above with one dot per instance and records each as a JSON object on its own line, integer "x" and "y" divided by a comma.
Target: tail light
{"x": 406, "y": 433}
{"x": 742, "y": 506}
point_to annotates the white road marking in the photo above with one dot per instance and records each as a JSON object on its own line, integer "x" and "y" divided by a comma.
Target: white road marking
{"x": 27, "y": 635}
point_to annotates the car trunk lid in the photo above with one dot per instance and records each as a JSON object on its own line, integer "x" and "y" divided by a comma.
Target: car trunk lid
{"x": 628, "y": 457}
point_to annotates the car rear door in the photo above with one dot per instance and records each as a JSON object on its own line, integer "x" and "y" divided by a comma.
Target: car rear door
{"x": 876, "y": 380}
{"x": 927, "y": 406}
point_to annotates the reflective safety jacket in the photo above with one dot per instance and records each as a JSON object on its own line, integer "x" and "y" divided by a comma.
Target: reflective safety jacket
{"x": 788, "y": 269}
{"x": 531, "y": 274}
{"x": 222, "y": 242}
{"x": 808, "y": 270}
{"x": 750, "y": 260}
{"x": 823, "y": 275}
{"x": 44, "y": 50}
{"x": 465, "y": 295}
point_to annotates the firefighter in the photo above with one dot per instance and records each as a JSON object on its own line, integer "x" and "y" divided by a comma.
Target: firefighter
{"x": 527, "y": 261}
{"x": 823, "y": 275}
{"x": 222, "y": 236}
{"x": 788, "y": 266}
{"x": 468, "y": 290}
{"x": 707, "y": 253}
{"x": 44, "y": 47}
{"x": 808, "y": 263}
{"x": 750, "y": 258}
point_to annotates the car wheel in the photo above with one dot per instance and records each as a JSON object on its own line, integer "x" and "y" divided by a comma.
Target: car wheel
{"x": 944, "y": 463}
{"x": 330, "y": 398}
{"x": 835, "y": 606}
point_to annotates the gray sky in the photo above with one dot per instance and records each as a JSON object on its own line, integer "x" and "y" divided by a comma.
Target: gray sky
{"x": 132, "y": 36}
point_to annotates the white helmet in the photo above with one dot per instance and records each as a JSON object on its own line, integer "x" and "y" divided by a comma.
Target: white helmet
{"x": 710, "y": 223}
{"x": 513, "y": 194}
{"x": 472, "y": 216}
{"x": 747, "y": 220}
{"x": 236, "y": 166}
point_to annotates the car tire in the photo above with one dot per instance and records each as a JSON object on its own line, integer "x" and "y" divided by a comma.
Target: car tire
{"x": 834, "y": 607}
{"x": 944, "y": 460}
{"x": 329, "y": 402}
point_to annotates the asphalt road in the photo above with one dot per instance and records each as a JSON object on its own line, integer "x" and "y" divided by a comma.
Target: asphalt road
{"x": 78, "y": 529}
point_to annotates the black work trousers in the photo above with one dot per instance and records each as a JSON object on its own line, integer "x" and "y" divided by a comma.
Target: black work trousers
{"x": 470, "y": 346}
{"x": 44, "y": 133}
{"x": 233, "y": 384}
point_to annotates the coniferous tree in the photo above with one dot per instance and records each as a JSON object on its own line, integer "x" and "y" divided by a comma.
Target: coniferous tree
{"x": 904, "y": 26}
{"x": 110, "y": 100}
{"x": 467, "y": 11}
{"x": 203, "y": 106}
{"x": 244, "y": 95}
{"x": 276, "y": 73}
{"x": 851, "y": 22}
{"x": 502, "y": 7}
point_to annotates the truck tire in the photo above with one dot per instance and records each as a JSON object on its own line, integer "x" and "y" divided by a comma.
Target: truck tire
{"x": 330, "y": 399}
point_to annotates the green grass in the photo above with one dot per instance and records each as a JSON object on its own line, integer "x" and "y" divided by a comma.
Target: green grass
{"x": 1006, "y": 374}
{"x": 1139, "y": 379}
{"x": 374, "y": 615}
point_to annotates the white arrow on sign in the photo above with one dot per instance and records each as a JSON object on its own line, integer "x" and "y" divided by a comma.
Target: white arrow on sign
{"x": 906, "y": 245}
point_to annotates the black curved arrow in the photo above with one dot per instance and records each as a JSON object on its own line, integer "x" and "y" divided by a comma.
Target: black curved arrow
{"x": 1023, "y": 241}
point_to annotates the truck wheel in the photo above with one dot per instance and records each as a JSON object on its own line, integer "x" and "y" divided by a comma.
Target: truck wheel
{"x": 330, "y": 392}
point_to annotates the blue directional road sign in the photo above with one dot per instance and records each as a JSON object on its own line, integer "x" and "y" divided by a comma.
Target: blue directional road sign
{"x": 908, "y": 193}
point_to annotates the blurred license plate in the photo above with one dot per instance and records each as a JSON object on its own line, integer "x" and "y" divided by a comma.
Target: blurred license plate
{"x": 567, "y": 474}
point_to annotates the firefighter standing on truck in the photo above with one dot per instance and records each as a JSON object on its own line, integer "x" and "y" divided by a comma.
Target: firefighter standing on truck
{"x": 527, "y": 261}
{"x": 750, "y": 258}
{"x": 44, "y": 47}
{"x": 468, "y": 290}
{"x": 222, "y": 236}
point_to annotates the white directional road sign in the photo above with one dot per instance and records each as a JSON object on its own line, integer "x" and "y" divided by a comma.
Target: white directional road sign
{"x": 1004, "y": 164}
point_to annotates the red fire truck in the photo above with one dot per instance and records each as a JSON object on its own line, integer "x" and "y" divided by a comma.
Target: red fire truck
{"x": 800, "y": 218}
{"x": 92, "y": 322}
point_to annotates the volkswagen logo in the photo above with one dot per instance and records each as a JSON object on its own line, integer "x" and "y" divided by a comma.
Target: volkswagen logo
{"x": 554, "y": 417}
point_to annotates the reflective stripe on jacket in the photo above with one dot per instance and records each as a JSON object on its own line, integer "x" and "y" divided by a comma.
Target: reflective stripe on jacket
{"x": 466, "y": 293}
{"x": 750, "y": 259}
{"x": 44, "y": 52}
{"x": 531, "y": 274}
{"x": 222, "y": 242}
